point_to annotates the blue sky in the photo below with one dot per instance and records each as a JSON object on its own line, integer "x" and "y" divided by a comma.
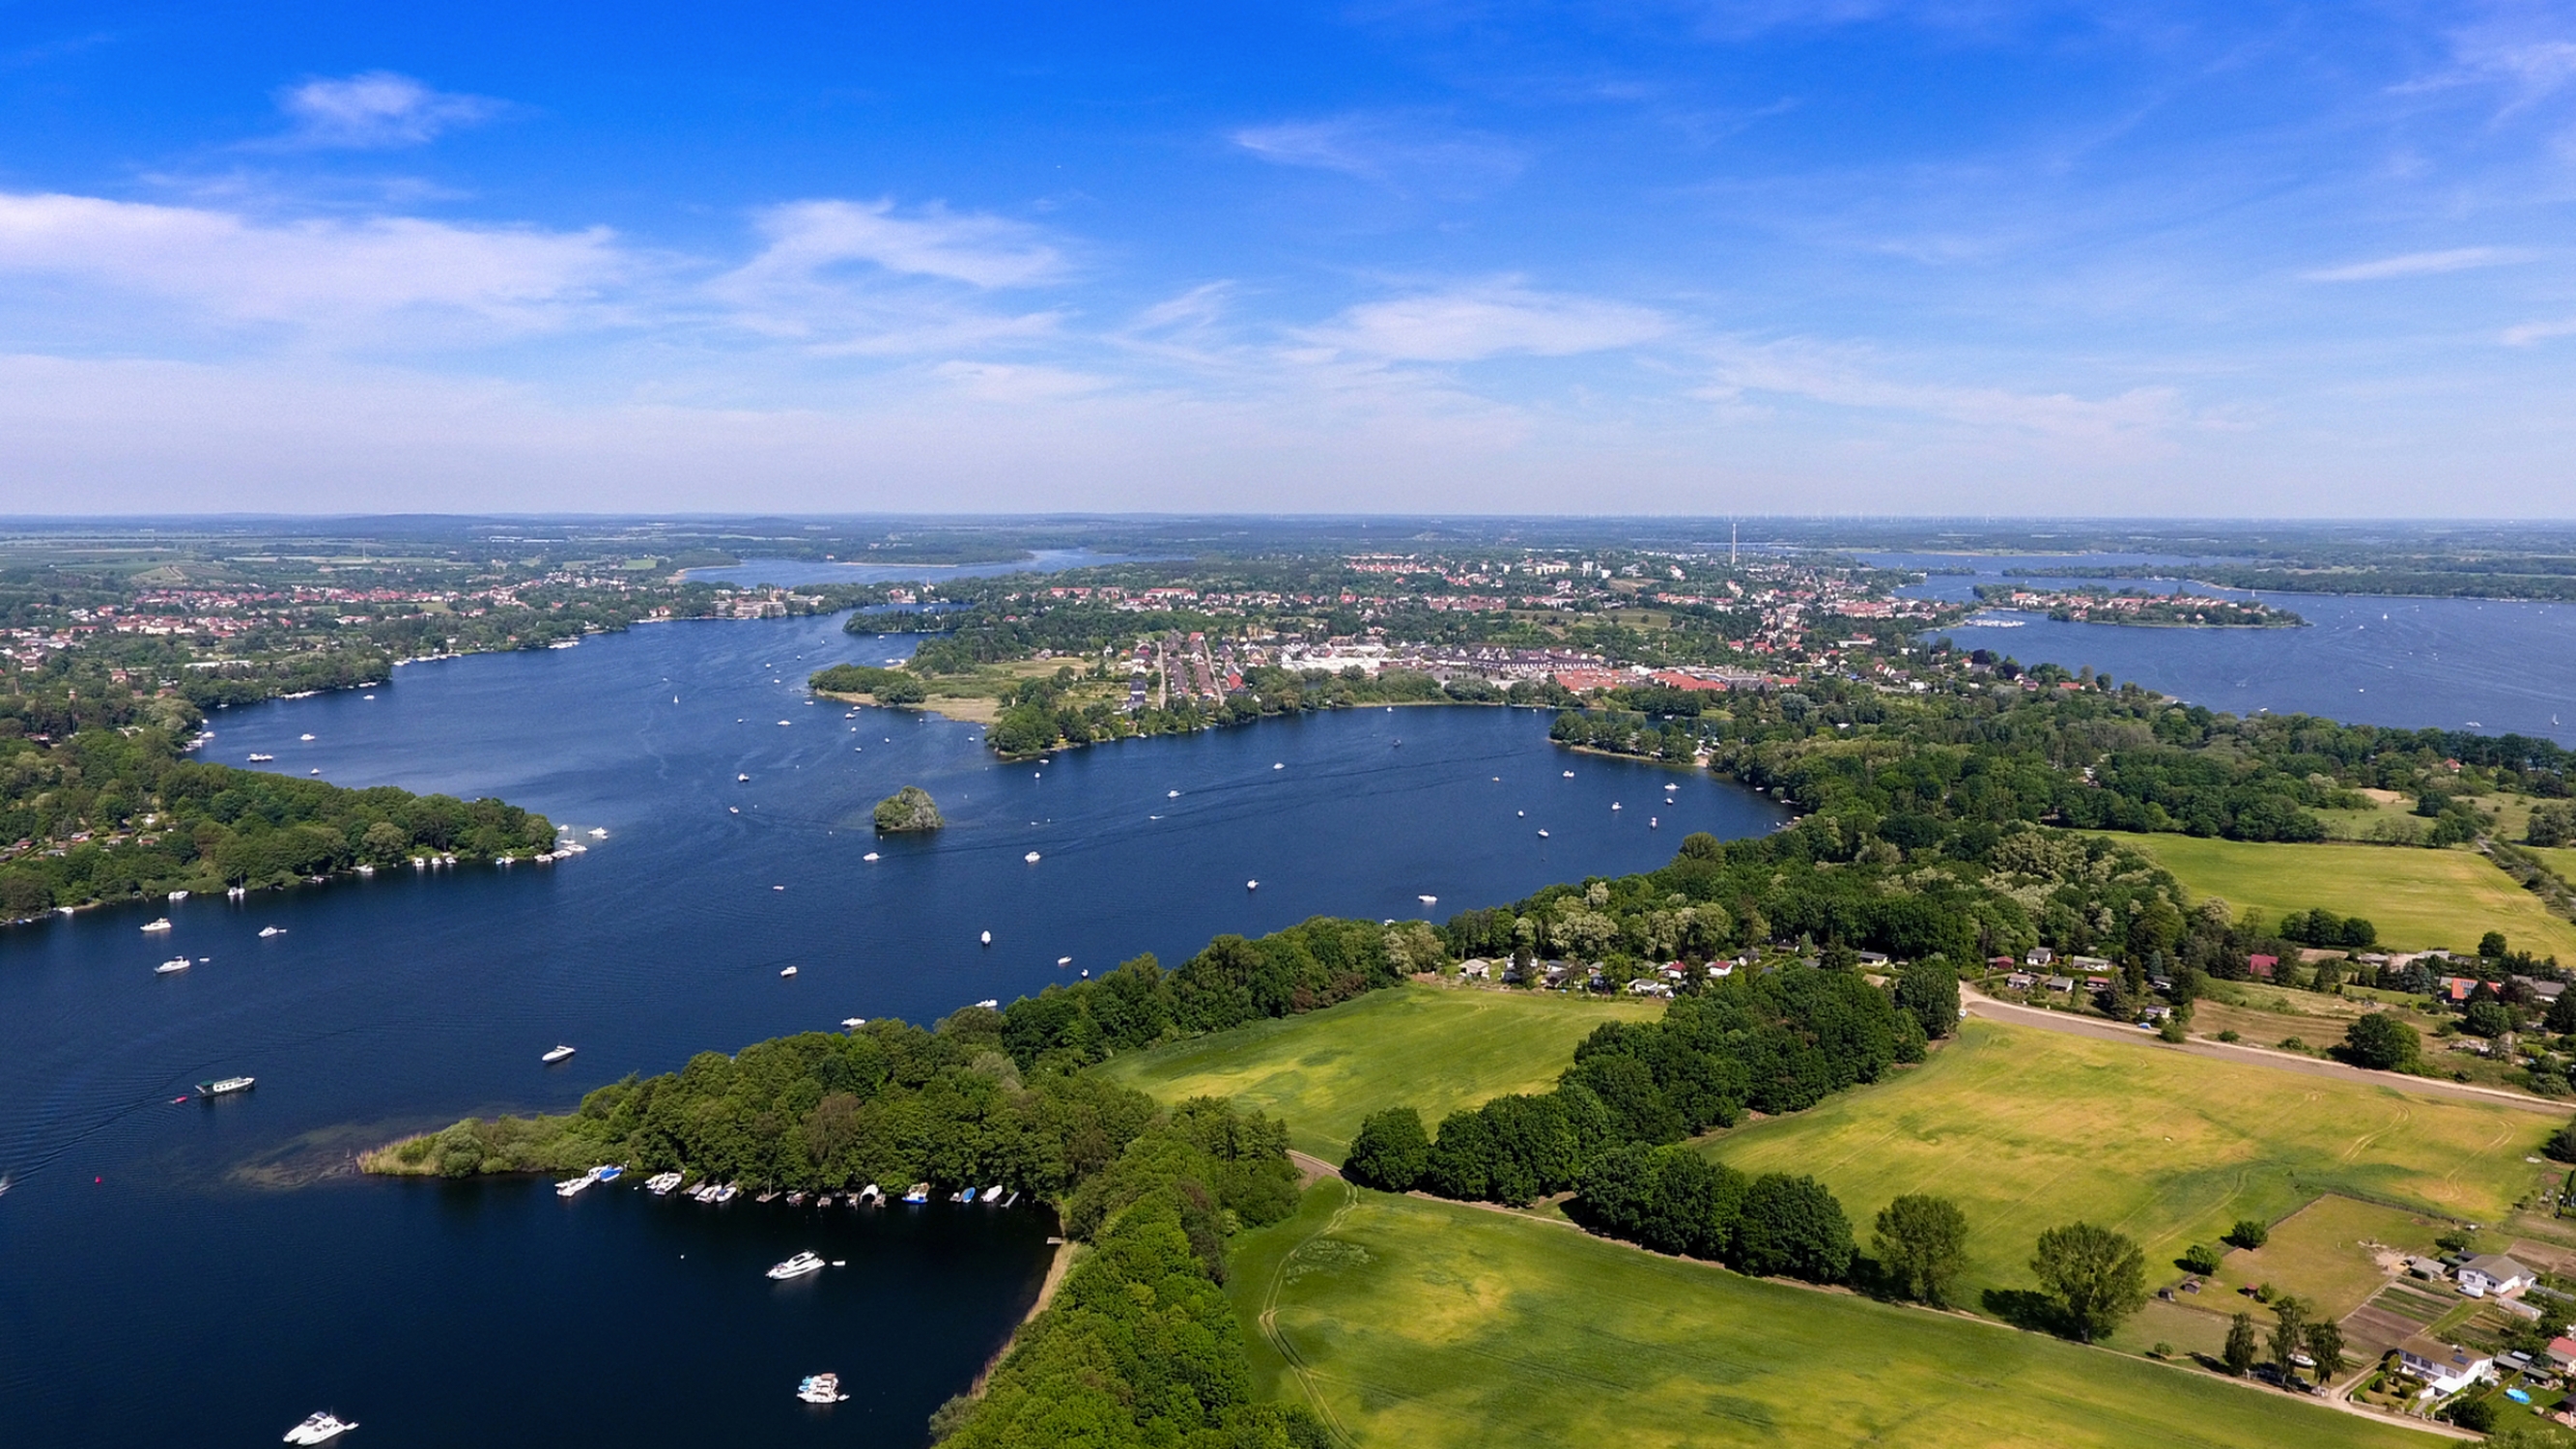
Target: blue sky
{"x": 1763, "y": 257}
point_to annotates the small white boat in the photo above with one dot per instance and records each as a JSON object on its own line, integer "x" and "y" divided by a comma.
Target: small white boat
{"x": 162, "y": 924}
{"x": 574, "y": 1186}
{"x": 993, "y": 1193}
{"x": 1569, "y": 774}
{"x": 870, "y": 856}
{"x": 304, "y": 737}
{"x": 225, "y": 1086}
{"x": 1031, "y": 857}
{"x": 237, "y": 893}
{"x": 598, "y": 833}
{"x": 790, "y": 971}
{"x": 1252, "y": 885}
{"x": 821, "y": 1389}
{"x": 261, "y": 759}
{"x": 1614, "y": 805}
{"x": 178, "y": 895}
{"x": 741, "y": 779}
{"x": 174, "y": 964}
{"x": 990, "y": 1003}
{"x": 736, "y": 809}
{"x": 1062, "y": 961}
{"x": 609, "y": 1171}
{"x": 853, "y": 1023}
{"x": 1280, "y": 766}
{"x": 267, "y": 931}
{"x": 797, "y": 1267}
{"x": 316, "y": 770}
{"x": 555, "y": 1055}
{"x": 319, "y": 1429}
{"x": 986, "y": 938}
{"x": 661, "y": 1183}
{"x": 872, "y": 1195}
{"x": 1654, "y": 824}
{"x": 1428, "y": 900}
{"x": 1171, "y": 794}
{"x": 919, "y": 1192}
{"x": 1542, "y": 835}
{"x": 729, "y": 1192}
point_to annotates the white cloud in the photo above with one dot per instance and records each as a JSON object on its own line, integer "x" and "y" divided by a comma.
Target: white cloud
{"x": 1401, "y": 153}
{"x": 2530, "y": 332}
{"x": 2421, "y": 264}
{"x": 1473, "y": 323}
{"x": 810, "y": 238}
{"x": 1853, "y": 378}
{"x": 312, "y": 273}
{"x": 375, "y": 110}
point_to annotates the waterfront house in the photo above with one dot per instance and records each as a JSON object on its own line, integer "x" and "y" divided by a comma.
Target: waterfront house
{"x": 2061, "y": 983}
{"x": 2020, "y": 981}
{"x": 2040, "y": 956}
{"x": 2445, "y": 1368}
{"x": 2493, "y": 1274}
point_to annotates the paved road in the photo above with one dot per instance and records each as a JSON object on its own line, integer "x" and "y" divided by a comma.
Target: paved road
{"x": 1981, "y": 1005}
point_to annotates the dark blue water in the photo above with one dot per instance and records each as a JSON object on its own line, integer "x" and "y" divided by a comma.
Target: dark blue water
{"x": 2495, "y": 667}
{"x": 786, "y": 571}
{"x": 198, "y": 1275}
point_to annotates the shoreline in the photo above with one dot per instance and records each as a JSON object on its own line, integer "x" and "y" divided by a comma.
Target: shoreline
{"x": 1067, "y": 1253}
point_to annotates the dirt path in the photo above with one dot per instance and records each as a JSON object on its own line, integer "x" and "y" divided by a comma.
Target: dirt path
{"x": 1987, "y": 1008}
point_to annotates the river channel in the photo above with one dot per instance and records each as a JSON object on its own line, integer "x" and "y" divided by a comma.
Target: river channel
{"x": 207, "y": 1273}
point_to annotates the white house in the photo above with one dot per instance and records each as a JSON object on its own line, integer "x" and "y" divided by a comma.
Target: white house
{"x": 2493, "y": 1273}
{"x": 2444, "y": 1368}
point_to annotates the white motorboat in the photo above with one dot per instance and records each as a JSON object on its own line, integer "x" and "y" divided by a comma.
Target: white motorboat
{"x": 1031, "y": 857}
{"x": 821, "y": 1389}
{"x": 173, "y": 965}
{"x": 797, "y": 1267}
{"x": 224, "y": 1086}
{"x": 790, "y": 971}
{"x": 555, "y": 1055}
{"x": 993, "y": 1193}
{"x": 596, "y": 833}
{"x": 609, "y": 1171}
{"x": 267, "y": 931}
{"x": 261, "y": 759}
{"x": 918, "y": 1193}
{"x": 304, "y": 737}
{"x": 178, "y": 895}
{"x": 1252, "y": 885}
{"x": 1063, "y": 961}
{"x": 986, "y": 938}
{"x": 661, "y": 1183}
{"x": 742, "y": 779}
{"x": 1569, "y": 774}
{"x": 870, "y": 856}
{"x": 574, "y": 1186}
{"x": 1428, "y": 900}
{"x": 320, "y": 1429}
{"x": 1542, "y": 835}
{"x": 728, "y": 1192}
{"x": 162, "y": 924}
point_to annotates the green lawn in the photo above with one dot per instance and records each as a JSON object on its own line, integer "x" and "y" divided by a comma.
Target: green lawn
{"x": 2028, "y": 1129}
{"x": 1418, "y": 1323}
{"x": 1434, "y": 1048}
{"x": 2417, "y": 898}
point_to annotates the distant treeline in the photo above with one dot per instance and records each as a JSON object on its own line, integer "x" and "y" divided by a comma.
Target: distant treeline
{"x": 2505, "y": 578}
{"x": 1919, "y": 770}
{"x": 110, "y": 814}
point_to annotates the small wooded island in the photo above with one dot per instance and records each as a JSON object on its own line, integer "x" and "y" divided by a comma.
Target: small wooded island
{"x": 908, "y": 809}
{"x": 2137, "y": 606}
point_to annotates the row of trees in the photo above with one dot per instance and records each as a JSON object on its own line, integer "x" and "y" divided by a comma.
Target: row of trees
{"x": 1774, "y": 1042}
{"x": 126, "y": 813}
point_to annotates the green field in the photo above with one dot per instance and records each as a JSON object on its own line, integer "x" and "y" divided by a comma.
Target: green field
{"x": 1418, "y": 1323}
{"x": 1433, "y": 1048}
{"x": 2028, "y": 1129}
{"x": 2417, "y": 898}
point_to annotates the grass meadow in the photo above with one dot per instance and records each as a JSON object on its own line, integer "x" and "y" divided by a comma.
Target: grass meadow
{"x": 2417, "y": 898}
{"x": 2027, "y": 1129}
{"x": 1434, "y": 1048}
{"x": 1420, "y": 1323}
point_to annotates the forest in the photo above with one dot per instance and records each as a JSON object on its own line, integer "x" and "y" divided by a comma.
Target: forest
{"x": 113, "y": 813}
{"x": 1920, "y": 770}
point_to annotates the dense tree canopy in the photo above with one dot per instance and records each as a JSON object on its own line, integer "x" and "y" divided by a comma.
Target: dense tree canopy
{"x": 109, "y": 814}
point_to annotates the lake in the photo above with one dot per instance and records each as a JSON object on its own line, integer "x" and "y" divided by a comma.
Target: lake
{"x": 2494, "y": 666}
{"x": 788, "y": 571}
{"x": 208, "y": 1273}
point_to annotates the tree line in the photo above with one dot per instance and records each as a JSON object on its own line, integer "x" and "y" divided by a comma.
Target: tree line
{"x": 112, "y": 814}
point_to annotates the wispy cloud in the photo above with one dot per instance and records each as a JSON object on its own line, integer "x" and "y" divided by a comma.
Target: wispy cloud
{"x": 2530, "y": 332}
{"x": 1849, "y": 377}
{"x": 309, "y": 273}
{"x": 376, "y": 110}
{"x": 810, "y": 238}
{"x": 1401, "y": 153}
{"x": 2421, "y": 264}
{"x": 1468, "y": 324}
